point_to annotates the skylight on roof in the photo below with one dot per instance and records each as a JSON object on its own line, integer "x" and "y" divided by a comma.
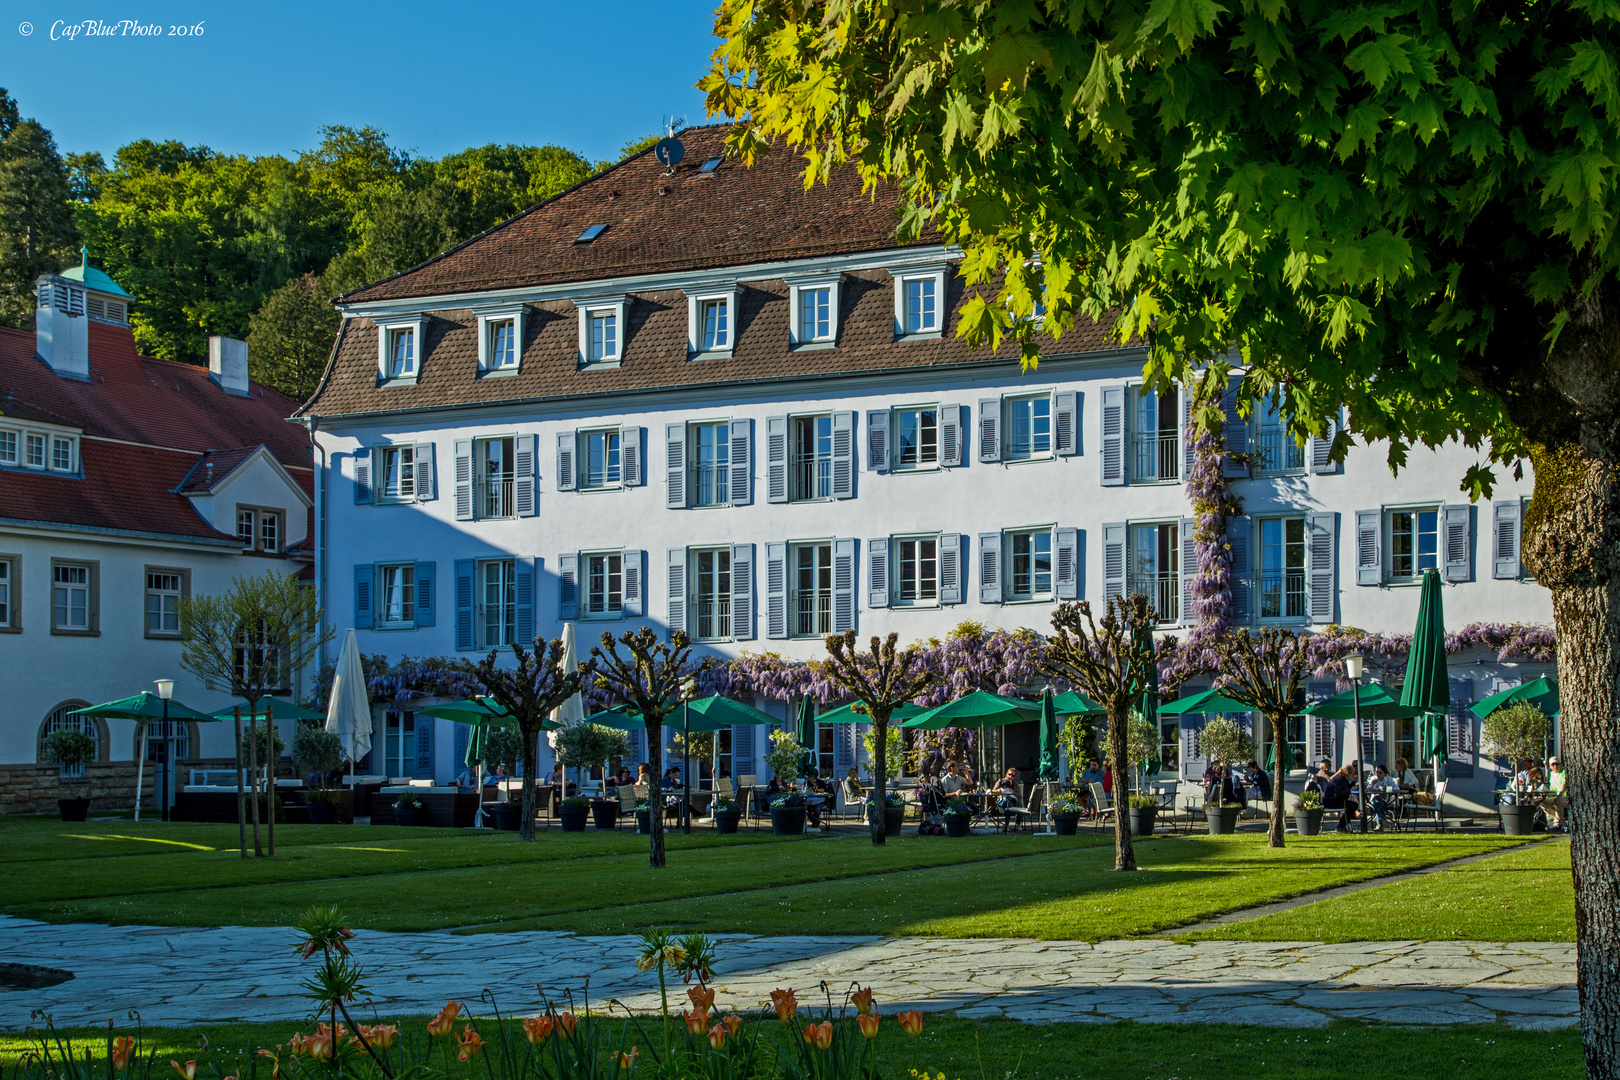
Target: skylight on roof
{"x": 590, "y": 234}
{"x": 709, "y": 166}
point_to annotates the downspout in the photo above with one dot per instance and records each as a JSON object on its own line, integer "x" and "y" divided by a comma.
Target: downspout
{"x": 310, "y": 424}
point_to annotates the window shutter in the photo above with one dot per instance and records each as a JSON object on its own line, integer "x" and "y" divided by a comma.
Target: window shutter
{"x": 465, "y": 571}
{"x": 1321, "y": 553}
{"x": 1460, "y": 743}
{"x": 1066, "y": 424}
{"x": 675, "y": 466}
{"x": 426, "y": 487}
{"x": 990, "y": 568}
{"x": 426, "y": 590}
{"x": 742, "y": 750}
{"x": 630, "y": 471}
{"x": 363, "y": 585}
{"x": 464, "y": 480}
{"x": 1505, "y": 539}
{"x": 1192, "y": 750}
{"x": 1188, "y": 437}
{"x": 1189, "y": 571}
{"x": 776, "y": 455}
{"x": 1234, "y": 432}
{"x": 843, "y": 455}
{"x": 844, "y": 584}
{"x": 1113, "y": 560}
{"x": 424, "y": 747}
{"x": 950, "y": 436}
{"x": 568, "y": 586}
{"x": 565, "y": 461}
{"x": 523, "y": 577}
{"x": 631, "y": 603}
{"x": 776, "y": 613}
{"x": 1459, "y": 541}
{"x": 675, "y": 563}
{"x": 523, "y": 500}
{"x": 741, "y": 473}
{"x": 1322, "y": 740}
{"x": 843, "y": 749}
{"x": 877, "y": 440}
{"x": 1369, "y": 547}
{"x": 742, "y": 592}
{"x": 637, "y": 744}
{"x": 1113, "y": 436}
{"x": 1066, "y": 551}
{"x": 1320, "y": 449}
{"x": 877, "y": 572}
{"x": 362, "y": 476}
{"x": 1237, "y": 539}
{"x": 990, "y": 429}
{"x": 950, "y": 568}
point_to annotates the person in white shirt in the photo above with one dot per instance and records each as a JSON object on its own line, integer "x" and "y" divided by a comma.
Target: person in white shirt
{"x": 953, "y": 781}
{"x": 1383, "y": 790}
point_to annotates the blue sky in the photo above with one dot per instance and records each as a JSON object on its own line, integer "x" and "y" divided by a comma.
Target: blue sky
{"x": 438, "y": 77}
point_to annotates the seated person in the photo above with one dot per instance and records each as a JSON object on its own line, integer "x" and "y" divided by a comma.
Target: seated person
{"x": 1381, "y": 796}
{"x": 1405, "y": 778}
{"x": 1007, "y": 790}
{"x": 494, "y": 778}
{"x": 776, "y": 787}
{"x": 1558, "y": 790}
{"x": 952, "y": 781}
{"x": 819, "y": 792}
{"x": 623, "y": 778}
{"x": 465, "y": 781}
{"x": 1212, "y": 780}
{"x": 1319, "y": 780}
{"x": 672, "y": 779}
{"x": 1338, "y": 796}
{"x": 1093, "y": 773}
{"x": 1256, "y": 777}
{"x": 971, "y": 775}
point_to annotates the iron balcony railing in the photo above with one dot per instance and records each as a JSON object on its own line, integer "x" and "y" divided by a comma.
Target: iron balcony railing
{"x": 709, "y": 484}
{"x": 1163, "y": 591}
{"x": 497, "y": 497}
{"x": 714, "y": 619}
{"x": 1158, "y": 457}
{"x": 1282, "y": 594}
{"x": 1276, "y": 451}
{"x": 812, "y": 477}
{"x": 812, "y": 613}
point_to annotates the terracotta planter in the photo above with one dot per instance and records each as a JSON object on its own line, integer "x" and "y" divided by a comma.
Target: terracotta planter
{"x": 957, "y": 824}
{"x": 1142, "y": 818}
{"x": 573, "y": 818}
{"x": 506, "y": 816}
{"x": 1308, "y": 822}
{"x": 1222, "y": 819}
{"x": 1066, "y": 824}
{"x": 73, "y": 809}
{"x": 787, "y": 821}
{"x": 725, "y": 821}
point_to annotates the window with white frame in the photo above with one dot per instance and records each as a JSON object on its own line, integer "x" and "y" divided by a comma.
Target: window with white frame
{"x": 259, "y": 529}
{"x": 709, "y": 463}
{"x": 601, "y": 331}
{"x": 8, "y": 594}
{"x": 396, "y": 474}
{"x": 257, "y": 657}
{"x": 497, "y": 598}
{"x": 921, "y": 311}
{"x": 712, "y": 322}
{"x": 495, "y": 465}
{"x": 1155, "y": 563}
{"x": 402, "y": 353}
{"x": 171, "y": 735}
{"x": 916, "y": 571}
{"x": 1274, "y": 452}
{"x": 62, "y": 453}
{"x": 1029, "y": 427}
{"x": 811, "y": 458}
{"x": 815, "y": 314}
{"x": 711, "y": 594}
{"x": 599, "y": 458}
{"x": 1294, "y": 745}
{"x": 916, "y": 437}
{"x": 164, "y": 588}
{"x": 1414, "y": 542}
{"x": 1170, "y": 746}
{"x": 1156, "y": 437}
{"x": 396, "y": 595}
{"x": 604, "y": 585}
{"x": 35, "y": 458}
{"x": 1281, "y": 576}
{"x": 811, "y": 581}
{"x": 8, "y": 447}
{"x": 60, "y": 720}
{"x": 399, "y": 743}
{"x": 72, "y": 599}
{"x": 502, "y": 344}
{"x": 1029, "y": 564}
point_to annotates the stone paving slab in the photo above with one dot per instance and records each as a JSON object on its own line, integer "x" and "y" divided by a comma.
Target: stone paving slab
{"x": 191, "y": 975}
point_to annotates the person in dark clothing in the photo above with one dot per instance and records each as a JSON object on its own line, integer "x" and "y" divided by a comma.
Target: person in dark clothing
{"x": 1338, "y": 796}
{"x": 1260, "y": 780}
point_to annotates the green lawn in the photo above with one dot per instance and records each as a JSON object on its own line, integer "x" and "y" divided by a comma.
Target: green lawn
{"x": 1522, "y": 895}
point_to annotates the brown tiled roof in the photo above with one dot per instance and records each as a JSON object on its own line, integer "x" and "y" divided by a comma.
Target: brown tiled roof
{"x": 658, "y": 223}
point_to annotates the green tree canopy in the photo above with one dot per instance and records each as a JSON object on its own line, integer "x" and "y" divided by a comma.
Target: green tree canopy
{"x": 36, "y": 222}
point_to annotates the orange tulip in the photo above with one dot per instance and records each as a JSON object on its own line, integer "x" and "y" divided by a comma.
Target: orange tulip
{"x": 275, "y": 1064}
{"x": 381, "y": 1036}
{"x": 868, "y": 1023}
{"x": 445, "y": 1022}
{"x": 122, "y": 1048}
{"x": 911, "y": 1022}
{"x": 824, "y": 1034}
{"x": 696, "y": 1020}
{"x": 565, "y": 1023}
{"x": 537, "y": 1029}
{"x": 188, "y": 1070}
{"x": 319, "y": 1045}
{"x": 628, "y": 1061}
{"x": 733, "y": 1024}
{"x": 701, "y": 996}
{"x": 862, "y": 1000}
{"x": 470, "y": 1043}
{"x": 717, "y": 1036}
{"x": 785, "y": 1004}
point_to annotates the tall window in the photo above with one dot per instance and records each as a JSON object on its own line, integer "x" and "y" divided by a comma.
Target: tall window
{"x": 36, "y": 451}
{"x": 399, "y": 744}
{"x": 812, "y": 458}
{"x": 1282, "y": 568}
{"x": 604, "y": 585}
{"x": 1029, "y": 428}
{"x": 1170, "y": 746}
{"x": 259, "y": 530}
{"x": 922, "y": 305}
{"x": 173, "y": 734}
{"x": 398, "y": 473}
{"x": 826, "y": 748}
{"x": 1156, "y": 436}
{"x": 1413, "y": 543}
{"x": 59, "y": 720}
{"x": 715, "y": 321}
{"x": 709, "y": 456}
{"x": 498, "y": 593}
{"x": 61, "y": 454}
{"x": 1029, "y": 564}
{"x": 1275, "y": 452}
{"x": 401, "y": 353}
{"x": 5, "y": 594}
{"x": 1155, "y": 567}
{"x": 495, "y": 477}
{"x": 1294, "y": 745}
{"x": 503, "y": 344}
{"x": 256, "y": 654}
{"x": 599, "y": 451}
{"x": 1405, "y": 742}
{"x": 711, "y": 577}
{"x": 397, "y": 586}
{"x": 162, "y": 602}
{"x": 71, "y": 597}
{"x": 916, "y": 570}
{"x": 916, "y": 438}
{"x": 812, "y": 590}
{"x": 815, "y": 314}
{"x": 603, "y": 336}
{"x": 8, "y": 447}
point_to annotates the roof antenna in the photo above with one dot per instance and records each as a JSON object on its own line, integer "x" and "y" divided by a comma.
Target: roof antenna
{"x": 669, "y": 150}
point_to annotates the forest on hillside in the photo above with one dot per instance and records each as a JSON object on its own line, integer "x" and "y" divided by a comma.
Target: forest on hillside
{"x": 253, "y": 247}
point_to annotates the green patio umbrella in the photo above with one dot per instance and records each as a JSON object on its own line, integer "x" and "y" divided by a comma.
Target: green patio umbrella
{"x": 280, "y": 709}
{"x": 1047, "y": 773}
{"x": 1204, "y": 701}
{"x": 1074, "y": 703}
{"x": 144, "y": 708}
{"x": 1542, "y": 693}
{"x": 846, "y": 714}
{"x": 1375, "y": 703}
{"x": 804, "y": 730}
{"x": 620, "y": 716}
{"x": 978, "y": 709}
{"x": 1427, "y": 686}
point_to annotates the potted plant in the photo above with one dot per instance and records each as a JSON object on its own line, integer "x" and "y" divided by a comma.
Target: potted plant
{"x": 1516, "y": 732}
{"x": 573, "y": 812}
{"x": 503, "y": 746}
{"x": 1065, "y": 814}
{"x": 958, "y": 816}
{"x": 407, "y": 808}
{"x": 643, "y": 818}
{"x": 605, "y": 813}
{"x": 71, "y": 749}
{"x": 322, "y": 805}
{"x": 317, "y": 754}
{"x": 787, "y": 815}
{"x": 1308, "y": 813}
{"x": 727, "y": 813}
{"x": 894, "y": 813}
{"x": 1223, "y": 740}
{"x": 1143, "y": 810}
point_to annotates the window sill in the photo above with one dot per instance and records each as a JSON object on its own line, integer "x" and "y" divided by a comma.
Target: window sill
{"x": 713, "y": 506}
{"x": 154, "y": 636}
{"x": 921, "y": 335}
{"x": 1280, "y": 474}
{"x": 401, "y": 380}
{"x": 395, "y": 501}
{"x": 710, "y": 354}
{"x": 498, "y": 373}
{"x": 1154, "y": 483}
{"x": 594, "y": 365}
{"x": 395, "y": 626}
{"x": 1028, "y": 460}
{"x": 812, "y": 346}
{"x": 915, "y": 605}
{"x": 1044, "y": 598}
{"x": 10, "y": 629}
{"x": 583, "y": 490}
{"x": 57, "y": 631}
{"x": 613, "y": 617}
{"x": 926, "y": 467}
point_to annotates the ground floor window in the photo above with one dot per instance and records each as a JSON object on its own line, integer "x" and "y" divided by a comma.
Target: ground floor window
{"x": 399, "y": 744}
{"x": 59, "y": 720}
{"x": 498, "y": 591}
{"x": 1170, "y": 746}
{"x": 178, "y": 732}
{"x": 1404, "y": 744}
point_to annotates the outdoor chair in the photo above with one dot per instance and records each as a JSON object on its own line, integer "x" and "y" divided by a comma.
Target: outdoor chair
{"x": 853, "y": 802}
{"x": 1438, "y": 811}
{"x": 1103, "y": 801}
{"x": 627, "y": 804}
{"x": 1193, "y": 807}
{"x": 542, "y": 800}
{"x": 1165, "y": 791}
{"x": 1014, "y": 816}
{"x": 723, "y": 788}
{"x": 747, "y": 780}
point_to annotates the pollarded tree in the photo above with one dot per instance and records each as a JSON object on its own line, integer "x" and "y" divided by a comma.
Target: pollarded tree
{"x": 529, "y": 692}
{"x": 1263, "y": 670}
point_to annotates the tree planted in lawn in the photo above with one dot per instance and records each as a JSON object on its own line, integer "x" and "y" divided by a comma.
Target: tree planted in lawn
{"x": 881, "y": 680}
{"x": 1263, "y": 670}
{"x": 529, "y": 692}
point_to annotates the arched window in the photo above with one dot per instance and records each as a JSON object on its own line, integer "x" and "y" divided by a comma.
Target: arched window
{"x": 59, "y": 720}
{"x": 183, "y": 734}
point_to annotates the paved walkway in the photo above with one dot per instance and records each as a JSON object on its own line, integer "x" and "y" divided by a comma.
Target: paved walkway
{"x": 177, "y": 976}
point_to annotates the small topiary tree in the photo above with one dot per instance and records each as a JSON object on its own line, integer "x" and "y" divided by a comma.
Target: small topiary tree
{"x": 1517, "y": 731}
{"x": 503, "y": 746}
{"x": 316, "y": 751}
{"x": 70, "y": 748}
{"x": 785, "y": 757}
{"x": 1224, "y": 740}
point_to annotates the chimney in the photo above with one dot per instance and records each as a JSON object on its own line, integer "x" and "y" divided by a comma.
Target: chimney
{"x": 227, "y": 364}
{"x": 61, "y": 332}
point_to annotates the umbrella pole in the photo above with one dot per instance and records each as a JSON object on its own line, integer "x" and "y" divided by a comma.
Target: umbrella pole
{"x": 140, "y": 773}
{"x": 241, "y": 802}
{"x": 270, "y": 752}
{"x": 686, "y": 768}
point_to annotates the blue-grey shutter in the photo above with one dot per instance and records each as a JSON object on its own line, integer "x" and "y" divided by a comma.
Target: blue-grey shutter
{"x": 776, "y": 459}
{"x": 1189, "y": 572}
{"x": 1460, "y": 743}
{"x": 1457, "y": 538}
{"x": 426, "y": 593}
{"x": 524, "y": 503}
{"x": 1505, "y": 539}
{"x": 566, "y": 449}
{"x": 1321, "y": 571}
{"x": 523, "y": 578}
{"x": 364, "y": 584}
{"x": 464, "y": 480}
{"x": 1113, "y": 436}
{"x": 950, "y": 437}
{"x": 1066, "y": 424}
{"x": 990, "y": 429}
{"x": 1189, "y": 438}
{"x": 844, "y": 584}
{"x": 1114, "y": 564}
{"x": 631, "y": 604}
{"x": 630, "y": 470}
{"x": 877, "y": 572}
{"x": 675, "y": 569}
{"x": 843, "y": 749}
{"x": 1066, "y": 556}
{"x": 424, "y": 747}
{"x": 776, "y": 572}
{"x": 843, "y": 455}
{"x": 1369, "y": 547}
{"x": 742, "y": 592}
{"x": 950, "y": 568}
{"x": 1234, "y": 432}
{"x": 1237, "y": 540}
{"x": 1321, "y": 733}
{"x": 990, "y": 568}
{"x": 362, "y": 476}
{"x": 740, "y": 475}
{"x": 568, "y": 586}
{"x": 1319, "y": 448}
{"x": 742, "y": 750}
{"x": 465, "y": 572}
{"x": 1193, "y": 761}
{"x": 877, "y": 440}
{"x": 427, "y": 489}
{"x": 636, "y": 742}
{"x": 675, "y": 466}
{"x": 460, "y": 736}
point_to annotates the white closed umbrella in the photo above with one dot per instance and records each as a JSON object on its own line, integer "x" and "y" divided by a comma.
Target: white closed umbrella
{"x": 571, "y": 711}
{"x": 348, "y": 714}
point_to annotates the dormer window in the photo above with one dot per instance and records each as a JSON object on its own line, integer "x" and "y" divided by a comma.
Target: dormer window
{"x": 813, "y": 312}
{"x": 52, "y": 451}
{"x": 601, "y": 331}
{"x": 401, "y": 354}
{"x": 500, "y": 340}
{"x": 711, "y": 322}
{"x": 106, "y": 310}
{"x": 604, "y": 343}
{"x": 399, "y": 347}
{"x": 919, "y": 303}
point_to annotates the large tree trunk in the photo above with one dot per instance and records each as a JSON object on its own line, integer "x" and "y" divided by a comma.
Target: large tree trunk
{"x": 655, "y": 793}
{"x": 270, "y": 768}
{"x": 877, "y": 805}
{"x": 1279, "y": 744}
{"x": 241, "y": 796}
{"x": 253, "y": 778}
{"x": 1124, "y": 853}
{"x": 531, "y": 761}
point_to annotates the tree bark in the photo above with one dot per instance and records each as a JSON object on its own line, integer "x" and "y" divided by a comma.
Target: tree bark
{"x": 241, "y": 796}
{"x": 1279, "y": 744}
{"x": 270, "y": 767}
{"x": 253, "y": 780}
{"x": 877, "y": 805}
{"x": 655, "y": 791}
{"x": 531, "y": 761}
{"x": 1124, "y": 853}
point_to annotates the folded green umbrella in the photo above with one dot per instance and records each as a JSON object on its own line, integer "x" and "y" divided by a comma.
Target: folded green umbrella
{"x": 978, "y": 709}
{"x": 1542, "y": 693}
{"x": 1074, "y": 703}
{"x": 1208, "y": 701}
{"x": 144, "y": 708}
{"x": 846, "y": 714}
{"x": 1374, "y": 703}
{"x": 280, "y": 709}
{"x": 1048, "y": 770}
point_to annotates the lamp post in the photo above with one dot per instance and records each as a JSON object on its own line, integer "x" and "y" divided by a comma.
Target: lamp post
{"x": 1353, "y": 665}
{"x": 688, "y": 688}
{"x": 165, "y": 689}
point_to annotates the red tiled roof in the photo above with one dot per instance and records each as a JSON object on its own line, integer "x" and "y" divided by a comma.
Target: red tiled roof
{"x": 213, "y": 467}
{"x": 122, "y": 487}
